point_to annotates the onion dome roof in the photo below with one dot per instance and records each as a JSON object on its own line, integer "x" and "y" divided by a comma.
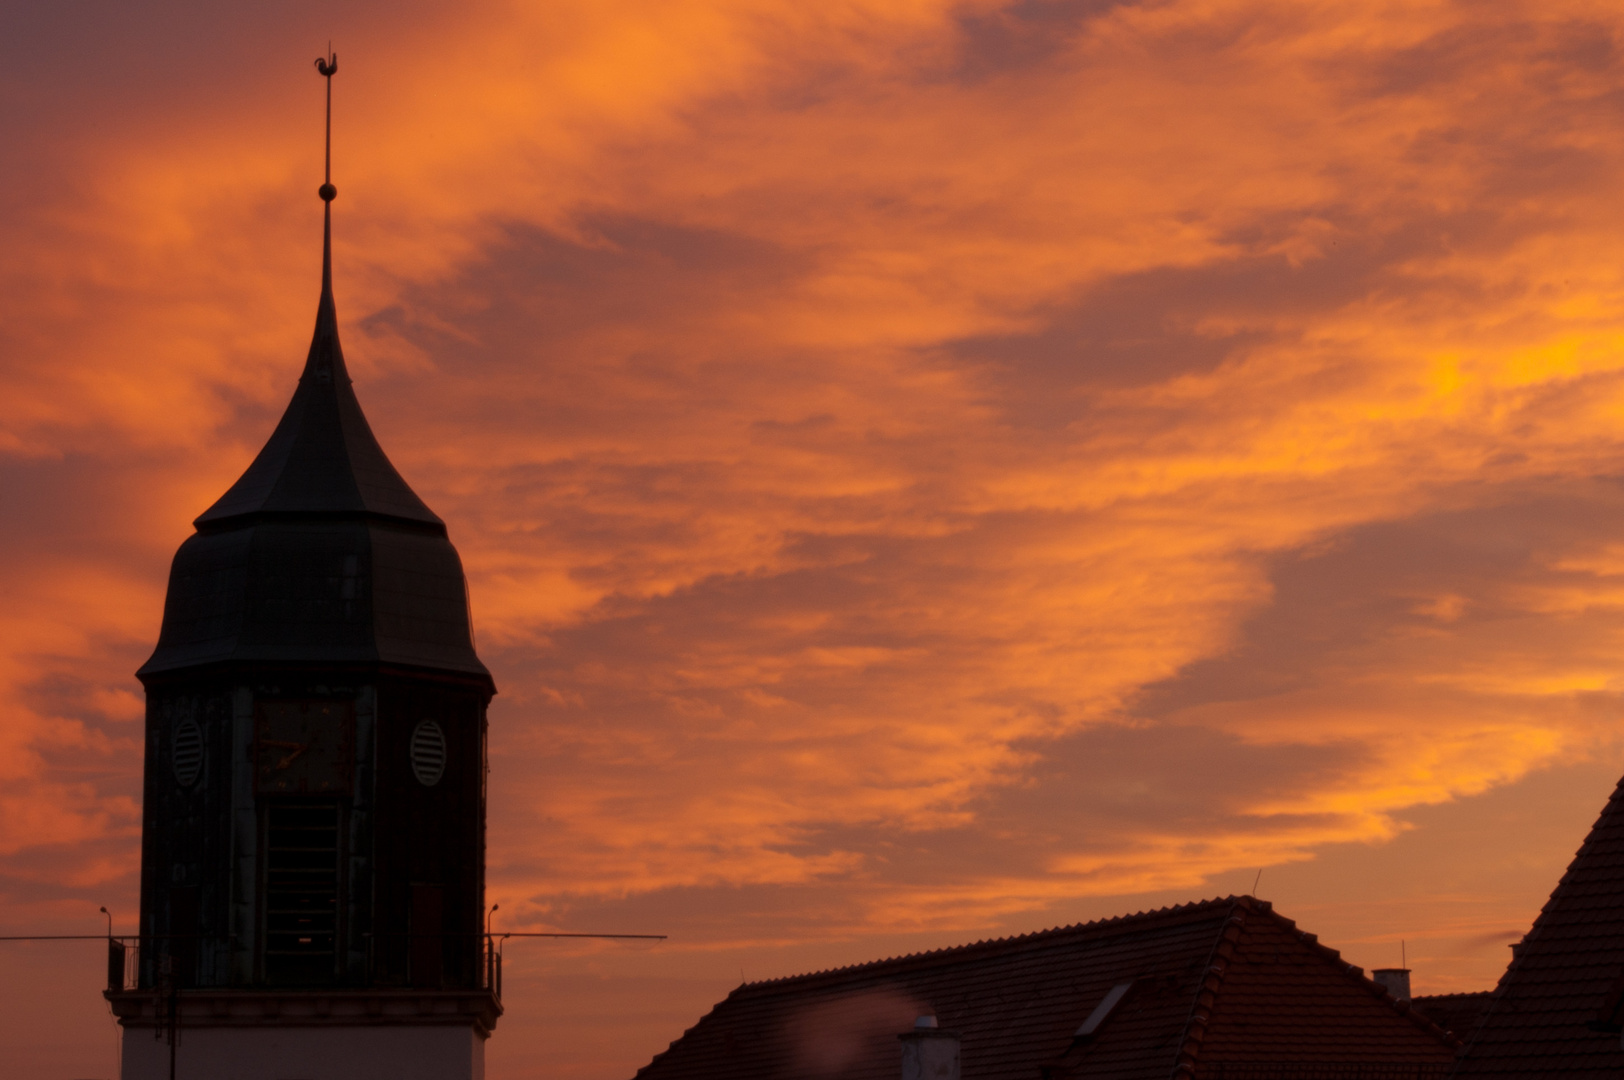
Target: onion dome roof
{"x": 320, "y": 553}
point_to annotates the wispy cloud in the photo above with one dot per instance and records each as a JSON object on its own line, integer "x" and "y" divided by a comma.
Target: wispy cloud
{"x": 917, "y": 465}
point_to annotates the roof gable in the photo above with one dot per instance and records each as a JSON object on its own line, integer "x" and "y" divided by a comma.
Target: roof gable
{"x": 1563, "y": 975}
{"x": 1283, "y": 998}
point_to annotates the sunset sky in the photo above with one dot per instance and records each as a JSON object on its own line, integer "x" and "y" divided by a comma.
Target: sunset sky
{"x": 925, "y": 471}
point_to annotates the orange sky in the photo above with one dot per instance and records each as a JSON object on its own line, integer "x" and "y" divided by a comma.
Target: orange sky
{"x": 925, "y": 470}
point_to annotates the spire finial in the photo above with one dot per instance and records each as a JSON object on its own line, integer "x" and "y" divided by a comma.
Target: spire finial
{"x": 328, "y": 65}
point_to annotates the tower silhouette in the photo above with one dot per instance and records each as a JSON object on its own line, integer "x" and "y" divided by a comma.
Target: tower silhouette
{"x": 313, "y": 834}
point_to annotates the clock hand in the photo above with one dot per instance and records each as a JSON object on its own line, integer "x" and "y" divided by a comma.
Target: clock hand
{"x": 297, "y": 748}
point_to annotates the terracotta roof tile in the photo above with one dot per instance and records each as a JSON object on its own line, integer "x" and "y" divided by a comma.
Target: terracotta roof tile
{"x": 1222, "y": 988}
{"x": 1565, "y": 974}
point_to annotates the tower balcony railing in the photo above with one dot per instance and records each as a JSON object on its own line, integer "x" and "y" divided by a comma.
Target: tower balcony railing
{"x": 493, "y": 966}
{"x": 124, "y": 957}
{"x": 172, "y": 959}
{"x": 123, "y": 964}
{"x": 435, "y": 961}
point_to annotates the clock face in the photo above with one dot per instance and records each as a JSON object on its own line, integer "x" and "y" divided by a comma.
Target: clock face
{"x": 303, "y": 747}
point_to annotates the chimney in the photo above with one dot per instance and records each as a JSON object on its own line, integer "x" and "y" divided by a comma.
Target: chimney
{"x": 1395, "y": 981}
{"x": 929, "y": 1053}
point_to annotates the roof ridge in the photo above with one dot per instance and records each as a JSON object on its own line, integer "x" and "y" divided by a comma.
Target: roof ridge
{"x": 1030, "y": 936}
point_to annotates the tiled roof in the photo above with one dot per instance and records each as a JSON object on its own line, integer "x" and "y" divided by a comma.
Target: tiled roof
{"x": 1565, "y": 975}
{"x": 1224, "y": 989}
{"x": 1458, "y": 1014}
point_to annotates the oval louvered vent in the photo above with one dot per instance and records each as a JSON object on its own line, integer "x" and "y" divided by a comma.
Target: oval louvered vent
{"x": 187, "y": 758}
{"x": 428, "y": 753}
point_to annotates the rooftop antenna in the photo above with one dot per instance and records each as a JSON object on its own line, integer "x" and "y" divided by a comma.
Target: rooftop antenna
{"x": 328, "y": 66}
{"x": 1256, "y": 880}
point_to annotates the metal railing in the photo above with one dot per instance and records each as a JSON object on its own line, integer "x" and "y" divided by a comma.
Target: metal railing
{"x": 124, "y": 954}
{"x": 123, "y": 964}
{"x": 493, "y": 966}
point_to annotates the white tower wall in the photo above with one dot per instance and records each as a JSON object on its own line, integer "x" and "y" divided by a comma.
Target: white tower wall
{"x": 396, "y": 1052}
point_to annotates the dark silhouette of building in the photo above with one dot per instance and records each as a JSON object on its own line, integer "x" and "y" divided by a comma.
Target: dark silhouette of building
{"x": 1458, "y": 1014}
{"x": 313, "y": 838}
{"x": 1225, "y": 989}
{"x": 1558, "y": 1008}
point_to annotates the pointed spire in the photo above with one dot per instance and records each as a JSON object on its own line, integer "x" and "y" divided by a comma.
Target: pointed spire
{"x": 323, "y": 457}
{"x": 320, "y": 553}
{"x": 326, "y": 358}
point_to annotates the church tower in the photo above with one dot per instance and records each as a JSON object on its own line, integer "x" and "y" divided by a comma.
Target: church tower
{"x": 313, "y": 834}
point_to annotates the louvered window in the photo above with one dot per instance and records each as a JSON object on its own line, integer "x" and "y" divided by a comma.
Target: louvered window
{"x": 187, "y": 753}
{"x": 428, "y": 753}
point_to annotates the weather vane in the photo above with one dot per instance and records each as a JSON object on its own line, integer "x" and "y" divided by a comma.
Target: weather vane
{"x": 328, "y": 65}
